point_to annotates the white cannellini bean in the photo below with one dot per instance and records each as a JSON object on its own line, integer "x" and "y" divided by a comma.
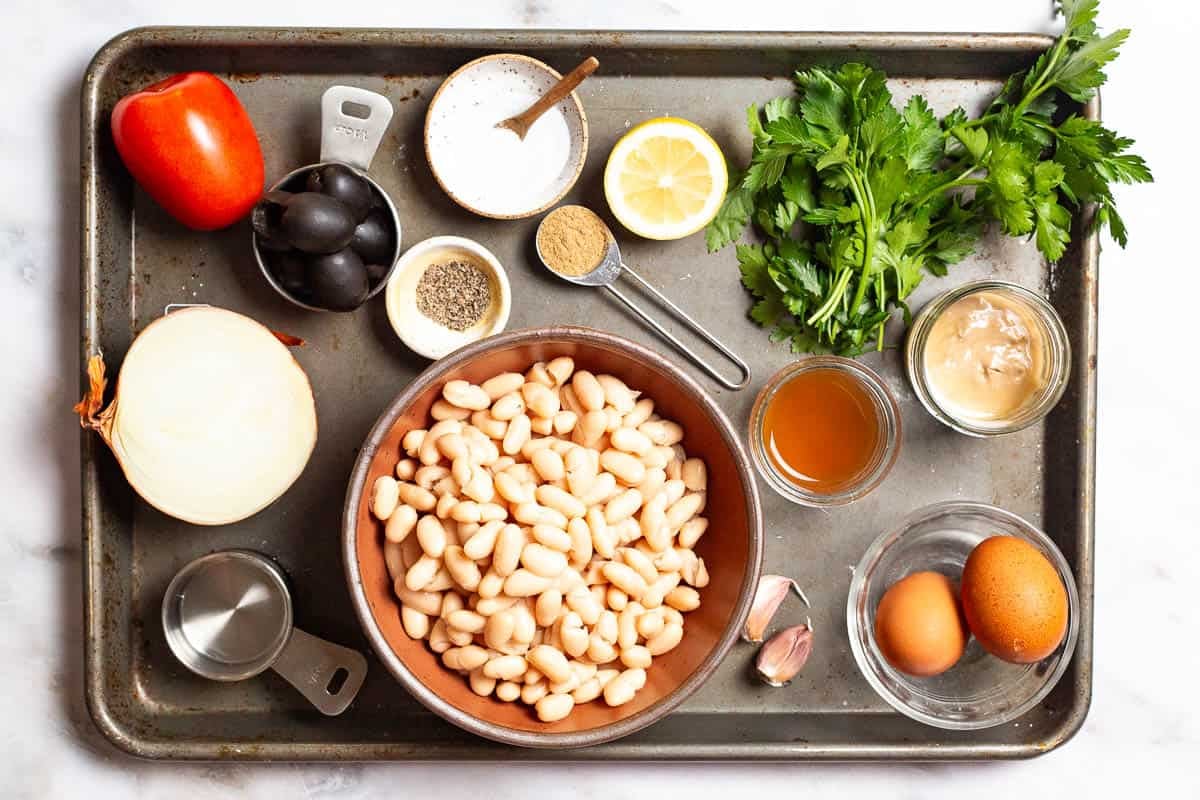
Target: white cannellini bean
{"x": 462, "y": 568}
{"x": 385, "y": 496}
{"x": 606, "y": 626}
{"x": 451, "y": 602}
{"x": 504, "y": 668}
{"x": 564, "y": 422}
{"x": 498, "y": 629}
{"x": 552, "y": 536}
{"x": 451, "y": 446}
{"x": 469, "y": 657}
{"x": 459, "y": 638}
{"x": 393, "y": 559}
{"x": 541, "y": 400}
{"x": 538, "y": 374}
{"x": 616, "y": 599}
{"x": 665, "y": 640}
{"x": 420, "y": 574}
{"x": 695, "y": 475}
{"x": 502, "y": 384}
{"x": 431, "y": 535}
{"x": 491, "y": 583}
{"x": 517, "y": 434}
{"x": 406, "y": 468}
{"x": 438, "y": 641}
{"x": 625, "y": 467}
{"x": 600, "y": 651}
{"x": 560, "y": 369}
{"x": 400, "y": 523}
{"x": 617, "y": 394}
{"x": 443, "y": 410}
{"x": 650, "y": 624}
{"x": 636, "y": 657}
{"x": 508, "y": 691}
{"x": 631, "y": 441}
{"x": 657, "y": 592}
{"x": 480, "y": 683}
{"x": 466, "y": 620}
{"x": 641, "y": 564}
{"x": 412, "y": 495}
{"x": 588, "y": 691}
{"x": 533, "y": 692}
{"x": 691, "y": 532}
{"x": 683, "y": 598}
{"x": 490, "y": 606}
{"x": 550, "y": 662}
{"x": 542, "y": 560}
{"x": 548, "y": 464}
{"x": 580, "y": 538}
{"x": 612, "y": 419}
{"x": 508, "y": 406}
{"x": 525, "y": 583}
{"x": 641, "y": 412}
{"x": 480, "y": 487}
{"x": 416, "y": 624}
{"x": 466, "y": 395}
{"x": 621, "y": 689}
{"x": 411, "y": 443}
{"x": 623, "y": 506}
{"x": 584, "y": 603}
{"x": 625, "y": 578}
{"x": 543, "y": 426}
{"x": 429, "y": 603}
{"x": 671, "y": 560}
{"x": 488, "y": 425}
{"x": 590, "y": 428}
{"x": 570, "y": 402}
{"x": 588, "y": 390}
{"x": 513, "y": 490}
{"x": 554, "y": 707}
{"x": 653, "y": 483}
{"x": 561, "y": 501}
{"x": 445, "y": 505}
{"x": 536, "y": 514}
{"x": 441, "y": 580}
{"x": 483, "y": 541}
{"x": 574, "y": 636}
{"x": 658, "y": 458}
{"x": 662, "y": 432}
{"x": 548, "y": 607}
{"x": 684, "y": 509}
{"x": 507, "y": 553}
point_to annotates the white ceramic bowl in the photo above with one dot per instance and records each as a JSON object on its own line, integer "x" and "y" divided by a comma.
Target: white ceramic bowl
{"x": 420, "y": 333}
{"x": 492, "y": 172}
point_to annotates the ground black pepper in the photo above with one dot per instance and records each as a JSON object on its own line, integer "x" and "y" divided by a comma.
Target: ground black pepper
{"x": 454, "y": 293}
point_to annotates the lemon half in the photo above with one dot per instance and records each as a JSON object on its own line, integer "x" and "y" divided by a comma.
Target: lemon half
{"x": 665, "y": 179}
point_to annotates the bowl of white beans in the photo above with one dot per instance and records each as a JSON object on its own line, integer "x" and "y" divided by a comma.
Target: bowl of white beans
{"x": 552, "y": 537}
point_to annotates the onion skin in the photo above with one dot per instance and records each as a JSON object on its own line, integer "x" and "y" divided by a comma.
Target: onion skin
{"x": 90, "y": 416}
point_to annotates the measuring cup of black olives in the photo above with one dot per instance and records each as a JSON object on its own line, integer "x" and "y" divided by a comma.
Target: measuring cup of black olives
{"x": 327, "y": 236}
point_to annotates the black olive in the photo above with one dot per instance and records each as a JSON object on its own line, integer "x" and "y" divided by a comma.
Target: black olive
{"x": 291, "y": 271}
{"x": 377, "y": 272}
{"x": 317, "y": 223}
{"x": 374, "y": 238}
{"x": 338, "y": 180}
{"x": 267, "y": 220}
{"x": 338, "y": 280}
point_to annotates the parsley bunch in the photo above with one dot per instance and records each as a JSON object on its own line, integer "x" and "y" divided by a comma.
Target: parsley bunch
{"x": 858, "y": 200}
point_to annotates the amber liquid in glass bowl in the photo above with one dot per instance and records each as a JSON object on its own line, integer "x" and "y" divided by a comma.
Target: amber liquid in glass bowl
{"x": 821, "y": 430}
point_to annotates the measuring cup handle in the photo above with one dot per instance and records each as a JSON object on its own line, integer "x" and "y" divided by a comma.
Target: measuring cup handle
{"x": 350, "y": 139}
{"x": 311, "y": 664}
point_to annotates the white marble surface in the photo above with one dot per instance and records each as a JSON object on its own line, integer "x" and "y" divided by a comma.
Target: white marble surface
{"x": 1142, "y": 729}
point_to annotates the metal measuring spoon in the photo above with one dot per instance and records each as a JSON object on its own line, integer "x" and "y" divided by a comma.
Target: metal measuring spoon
{"x": 605, "y": 275}
{"x": 228, "y": 617}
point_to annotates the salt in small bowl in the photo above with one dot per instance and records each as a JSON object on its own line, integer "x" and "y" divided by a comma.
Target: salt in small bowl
{"x": 492, "y": 172}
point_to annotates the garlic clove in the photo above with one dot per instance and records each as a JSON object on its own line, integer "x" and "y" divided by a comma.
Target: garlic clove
{"x": 784, "y": 655}
{"x": 768, "y": 597}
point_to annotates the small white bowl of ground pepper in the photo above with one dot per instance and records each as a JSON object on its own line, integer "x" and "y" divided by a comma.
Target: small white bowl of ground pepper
{"x": 447, "y": 292}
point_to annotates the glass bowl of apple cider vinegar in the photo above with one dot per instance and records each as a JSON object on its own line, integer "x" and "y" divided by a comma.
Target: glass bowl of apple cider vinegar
{"x": 825, "y": 431}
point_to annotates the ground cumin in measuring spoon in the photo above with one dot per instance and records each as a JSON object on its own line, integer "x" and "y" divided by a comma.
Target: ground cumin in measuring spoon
{"x": 454, "y": 294}
{"x": 572, "y": 241}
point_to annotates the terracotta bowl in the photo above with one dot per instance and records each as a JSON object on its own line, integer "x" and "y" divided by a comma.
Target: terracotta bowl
{"x": 732, "y": 549}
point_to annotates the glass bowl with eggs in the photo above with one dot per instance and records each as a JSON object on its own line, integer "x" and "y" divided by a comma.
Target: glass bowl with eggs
{"x": 963, "y": 617}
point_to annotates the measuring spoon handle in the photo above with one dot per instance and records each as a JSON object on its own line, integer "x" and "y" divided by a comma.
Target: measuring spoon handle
{"x": 683, "y": 348}
{"x": 311, "y": 665}
{"x": 742, "y": 367}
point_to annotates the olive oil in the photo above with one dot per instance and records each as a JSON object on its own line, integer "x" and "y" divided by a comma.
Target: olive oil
{"x": 821, "y": 430}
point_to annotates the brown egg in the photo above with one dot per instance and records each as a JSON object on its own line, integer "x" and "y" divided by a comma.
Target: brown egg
{"x": 918, "y": 625}
{"x": 1014, "y": 600}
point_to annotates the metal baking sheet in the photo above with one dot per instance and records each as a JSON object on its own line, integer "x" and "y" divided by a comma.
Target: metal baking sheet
{"x": 136, "y": 261}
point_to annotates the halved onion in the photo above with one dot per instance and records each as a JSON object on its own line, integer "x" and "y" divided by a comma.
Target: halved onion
{"x": 212, "y": 420}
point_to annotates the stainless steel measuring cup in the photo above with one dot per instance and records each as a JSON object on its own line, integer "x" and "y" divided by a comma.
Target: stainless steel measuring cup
{"x": 349, "y": 139}
{"x": 228, "y": 617}
{"x": 605, "y": 275}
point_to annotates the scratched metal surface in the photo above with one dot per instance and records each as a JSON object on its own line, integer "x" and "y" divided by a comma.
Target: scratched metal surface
{"x": 136, "y": 261}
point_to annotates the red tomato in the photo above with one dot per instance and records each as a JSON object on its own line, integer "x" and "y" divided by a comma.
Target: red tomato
{"x": 190, "y": 144}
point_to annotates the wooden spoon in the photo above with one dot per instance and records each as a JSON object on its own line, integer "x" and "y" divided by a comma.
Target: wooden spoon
{"x": 521, "y": 123}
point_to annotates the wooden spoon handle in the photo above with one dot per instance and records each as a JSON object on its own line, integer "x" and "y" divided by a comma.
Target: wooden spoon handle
{"x": 557, "y": 92}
